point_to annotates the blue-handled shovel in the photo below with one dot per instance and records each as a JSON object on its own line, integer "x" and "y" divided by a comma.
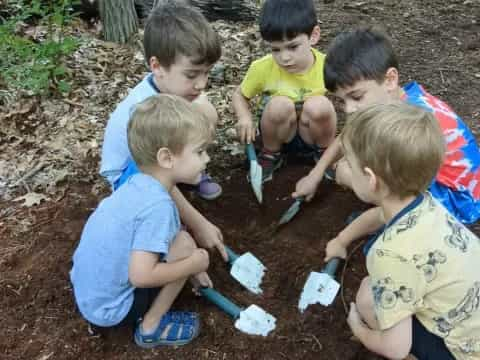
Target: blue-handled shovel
{"x": 291, "y": 211}
{"x": 255, "y": 172}
{"x": 246, "y": 269}
{"x": 252, "y": 320}
{"x": 320, "y": 287}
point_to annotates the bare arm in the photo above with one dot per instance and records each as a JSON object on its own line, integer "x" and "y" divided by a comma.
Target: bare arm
{"x": 393, "y": 343}
{"x": 367, "y": 223}
{"x": 307, "y": 186}
{"x": 205, "y": 233}
{"x": 333, "y": 153}
{"x": 146, "y": 271}
{"x": 190, "y": 216}
{"x": 245, "y": 125}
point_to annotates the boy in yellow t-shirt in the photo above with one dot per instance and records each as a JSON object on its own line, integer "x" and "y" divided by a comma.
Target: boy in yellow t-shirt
{"x": 422, "y": 292}
{"x": 295, "y": 114}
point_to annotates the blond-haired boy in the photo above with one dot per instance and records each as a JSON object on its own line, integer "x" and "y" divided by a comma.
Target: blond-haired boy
{"x": 422, "y": 292}
{"x": 133, "y": 257}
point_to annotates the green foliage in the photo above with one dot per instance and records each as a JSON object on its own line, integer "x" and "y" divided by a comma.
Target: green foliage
{"x": 36, "y": 65}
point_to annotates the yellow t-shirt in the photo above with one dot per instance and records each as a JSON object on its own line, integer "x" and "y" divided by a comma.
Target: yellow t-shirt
{"x": 425, "y": 264}
{"x": 264, "y": 76}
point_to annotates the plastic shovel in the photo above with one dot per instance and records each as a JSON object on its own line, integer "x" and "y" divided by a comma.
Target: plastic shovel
{"x": 291, "y": 211}
{"x": 320, "y": 287}
{"x": 246, "y": 269}
{"x": 252, "y": 320}
{"x": 255, "y": 172}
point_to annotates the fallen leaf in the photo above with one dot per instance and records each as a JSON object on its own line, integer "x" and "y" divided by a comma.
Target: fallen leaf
{"x": 31, "y": 199}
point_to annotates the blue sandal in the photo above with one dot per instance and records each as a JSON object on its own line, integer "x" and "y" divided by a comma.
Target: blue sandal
{"x": 175, "y": 328}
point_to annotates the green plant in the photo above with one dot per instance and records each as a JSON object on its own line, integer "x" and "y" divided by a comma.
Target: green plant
{"x": 36, "y": 65}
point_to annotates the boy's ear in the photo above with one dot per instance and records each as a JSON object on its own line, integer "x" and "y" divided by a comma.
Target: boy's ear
{"x": 391, "y": 79}
{"x": 375, "y": 183}
{"x": 164, "y": 158}
{"x": 315, "y": 35}
{"x": 372, "y": 179}
{"x": 155, "y": 67}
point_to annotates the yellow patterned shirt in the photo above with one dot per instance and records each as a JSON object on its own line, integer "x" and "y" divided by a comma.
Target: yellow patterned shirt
{"x": 265, "y": 77}
{"x": 425, "y": 264}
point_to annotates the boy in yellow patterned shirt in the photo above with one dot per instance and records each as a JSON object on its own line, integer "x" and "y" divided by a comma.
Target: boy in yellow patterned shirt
{"x": 422, "y": 292}
{"x": 295, "y": 114}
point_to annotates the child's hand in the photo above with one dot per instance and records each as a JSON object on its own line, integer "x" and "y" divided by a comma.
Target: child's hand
{"x": 201, "y": 280}
{"x": 209, "y": 236}
{"x": 246, "y": 130}
{"x": 199, "y": 260}
{"x": 306, "y": 186}
{"x": 335, "y": 248}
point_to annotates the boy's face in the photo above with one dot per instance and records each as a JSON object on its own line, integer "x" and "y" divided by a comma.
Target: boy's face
{"x": 182, "y": 78}
{"x": 295, "y": 55}
{"x": 191, "y": 162}
{"x": 362, "y": 94}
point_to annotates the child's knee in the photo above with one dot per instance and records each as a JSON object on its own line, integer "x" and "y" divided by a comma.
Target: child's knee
{"x": 207, "y": 109}
{"x": 319, "y": 109}
{"x": 182, "y": 247}
{"x": 211, "y": 113}
{"x": 318, "y": 117}
{"x": 364, "y": 295}
{"x": 279, "y": 110}
{"x": 365, "y": 303}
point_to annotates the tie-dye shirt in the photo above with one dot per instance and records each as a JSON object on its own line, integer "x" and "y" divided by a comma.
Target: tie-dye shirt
{"x": 460, "y": 171}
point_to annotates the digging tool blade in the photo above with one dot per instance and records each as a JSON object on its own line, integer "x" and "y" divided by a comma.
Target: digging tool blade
{"x": 247, "y": 270}
{"x": 291, "y": 211}
{"x": 320, "y": 287}
{"x": 255, "y": 173}
{"x": 253, "y": 320}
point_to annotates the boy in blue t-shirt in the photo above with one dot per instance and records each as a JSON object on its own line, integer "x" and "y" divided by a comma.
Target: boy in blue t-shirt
{"x": 180, "y": 49}
{"x": 133, "y": 257}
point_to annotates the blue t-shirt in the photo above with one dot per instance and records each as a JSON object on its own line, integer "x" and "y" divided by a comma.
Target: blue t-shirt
{"x": 140, "y": 215}
{"x": 115, "y": 152}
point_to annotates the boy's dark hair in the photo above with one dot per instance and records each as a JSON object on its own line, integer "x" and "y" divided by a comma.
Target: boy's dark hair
{"x": 286, "y": 19}
{"x": 363, "y": 54}
{"x": 174, "y": 28}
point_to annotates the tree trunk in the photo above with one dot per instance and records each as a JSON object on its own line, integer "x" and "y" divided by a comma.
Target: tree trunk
{"x": 119, "y": 19}
{"x": 230, "y": 10}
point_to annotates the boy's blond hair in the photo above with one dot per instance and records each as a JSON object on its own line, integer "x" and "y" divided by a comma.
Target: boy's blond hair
{"x": 402, "y": 144}
{"x": 174, "y": 28}
{"x": 167, "y": 121}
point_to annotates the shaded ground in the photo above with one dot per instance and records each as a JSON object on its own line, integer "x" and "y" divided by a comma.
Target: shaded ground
{"x": 439, "y": 46}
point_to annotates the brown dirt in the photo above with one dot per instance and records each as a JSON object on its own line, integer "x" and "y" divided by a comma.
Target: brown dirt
{"x": 439, "y": 46}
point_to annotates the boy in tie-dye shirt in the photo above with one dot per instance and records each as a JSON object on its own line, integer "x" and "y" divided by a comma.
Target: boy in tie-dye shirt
{"x": 361, "y": 69}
